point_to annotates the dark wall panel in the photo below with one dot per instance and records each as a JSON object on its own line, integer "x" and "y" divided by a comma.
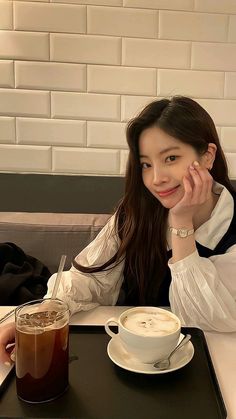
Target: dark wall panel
{"x": 50, "y": 193}
{"x": 59, "y": 193}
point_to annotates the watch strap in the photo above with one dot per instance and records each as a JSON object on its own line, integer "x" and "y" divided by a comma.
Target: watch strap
{"x": 181, "y": 232}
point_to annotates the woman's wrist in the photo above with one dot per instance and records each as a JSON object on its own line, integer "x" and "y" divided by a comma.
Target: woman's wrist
{"x": 181, "y": 222}
{"x": 182, "y": 237}
{"x": 182, "y": 232}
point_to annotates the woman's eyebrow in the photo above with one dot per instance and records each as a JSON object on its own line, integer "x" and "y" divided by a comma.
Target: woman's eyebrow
{"x": 168, "y": 149}
{"x": 165, "y": 150}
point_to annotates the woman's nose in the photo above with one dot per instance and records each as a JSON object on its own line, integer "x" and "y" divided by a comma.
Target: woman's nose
{"x": 159, "y": 176}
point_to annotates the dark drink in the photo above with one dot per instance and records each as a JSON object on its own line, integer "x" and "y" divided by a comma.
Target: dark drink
{"x": 41, "y": 352}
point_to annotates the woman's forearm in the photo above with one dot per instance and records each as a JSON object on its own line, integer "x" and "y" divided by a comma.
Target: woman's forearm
{"x": 182, "y": 246}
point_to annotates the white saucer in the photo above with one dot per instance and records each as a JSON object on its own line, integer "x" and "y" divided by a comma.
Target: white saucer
{"x": 123, "y": 359}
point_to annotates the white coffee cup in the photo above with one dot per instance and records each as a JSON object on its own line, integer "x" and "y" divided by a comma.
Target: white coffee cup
{"x": 147, "y": 333}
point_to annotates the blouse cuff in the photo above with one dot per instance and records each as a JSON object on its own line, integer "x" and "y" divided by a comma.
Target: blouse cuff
{"x": 185, "y": 263}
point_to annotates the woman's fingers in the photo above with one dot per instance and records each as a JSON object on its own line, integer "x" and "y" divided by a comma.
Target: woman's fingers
{"x": 7, "y": 337}
{"x": 202, "y": 183}
{"x": 188, "y": 188}
{"x": 197, "y": 189}
{"x": 13, "y": 355}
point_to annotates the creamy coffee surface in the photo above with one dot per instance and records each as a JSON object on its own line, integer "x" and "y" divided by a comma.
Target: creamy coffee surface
{"x": 150, "y": 323}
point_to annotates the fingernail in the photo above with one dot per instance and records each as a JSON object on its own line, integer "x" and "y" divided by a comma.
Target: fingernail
{"x": 13, "y": 357}
{"x": 196, "y": 163}
{"x": 7, "y": 363}
{"x": 191, "y": 167}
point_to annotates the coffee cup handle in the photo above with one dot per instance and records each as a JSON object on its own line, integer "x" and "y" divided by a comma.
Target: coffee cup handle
{"x": 107, "y": 327}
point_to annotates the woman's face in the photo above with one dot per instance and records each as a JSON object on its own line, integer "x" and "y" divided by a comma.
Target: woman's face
{"x": 164, "y": 161}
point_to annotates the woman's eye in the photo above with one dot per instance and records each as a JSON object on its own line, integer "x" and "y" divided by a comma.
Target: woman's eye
{"x": 171, "y": 158}
{"x": 145, "y": 165}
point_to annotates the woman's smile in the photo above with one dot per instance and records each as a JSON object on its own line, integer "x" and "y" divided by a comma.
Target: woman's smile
{"x": 167, "y": 192}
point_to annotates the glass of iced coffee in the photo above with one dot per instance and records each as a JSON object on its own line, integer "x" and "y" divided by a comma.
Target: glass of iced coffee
{"x": 42, "y": 345}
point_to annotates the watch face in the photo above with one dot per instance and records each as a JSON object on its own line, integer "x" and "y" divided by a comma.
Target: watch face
{"x": 183, "y": 233}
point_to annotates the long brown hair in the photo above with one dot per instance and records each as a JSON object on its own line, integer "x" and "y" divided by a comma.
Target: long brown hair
{"x": 140, "y": 219}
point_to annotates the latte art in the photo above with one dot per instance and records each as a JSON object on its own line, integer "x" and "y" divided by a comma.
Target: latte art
{"x": 150, "y": 323}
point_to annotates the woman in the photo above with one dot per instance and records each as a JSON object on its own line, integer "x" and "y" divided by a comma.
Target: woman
{"x": 172, "y": 239}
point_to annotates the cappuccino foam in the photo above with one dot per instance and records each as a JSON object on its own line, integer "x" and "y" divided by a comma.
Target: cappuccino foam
{"x": 150, "y": 323}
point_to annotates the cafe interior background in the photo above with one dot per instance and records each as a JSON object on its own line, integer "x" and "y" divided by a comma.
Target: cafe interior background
{"x": 73, "y": 72}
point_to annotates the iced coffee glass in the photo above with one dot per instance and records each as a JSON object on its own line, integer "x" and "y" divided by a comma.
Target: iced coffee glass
{"x": 42, "y": 344}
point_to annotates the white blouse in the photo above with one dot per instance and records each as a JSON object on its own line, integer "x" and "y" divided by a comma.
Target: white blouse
{"x": 202, "y": 291}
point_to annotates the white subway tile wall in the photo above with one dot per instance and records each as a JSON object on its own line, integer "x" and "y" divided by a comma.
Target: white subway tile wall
{"x": 156, "y": 53}
{"x": 24, "y": 103}
{"x": 7, "y": 130}
{"x": 47, "y": 17}
{"x": 126, "y": 80}
{"x": 193, "y": 26}
{"x": 95, "y": 161}
{"x": 25, "y": 158}
{"x": 6, "y": 17}
{"x": 24, "y": 45}
{"x": 107, "y": 134}
{"x": 73, "y": 72}
{"x": 50, "y": 132}
{"x": 50, "y": 76}
{"x": 86, "y": 49}
{"x": 6, "y": 74}
{"x": 232, "y": 28}
{"x": 123, "y": 22}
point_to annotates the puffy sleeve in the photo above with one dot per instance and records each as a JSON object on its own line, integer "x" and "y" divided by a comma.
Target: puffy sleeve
{"x": 203, "y": 291}
{"x": 84, "y": 291}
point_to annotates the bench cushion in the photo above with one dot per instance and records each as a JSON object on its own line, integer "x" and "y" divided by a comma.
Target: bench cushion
{"x": 47, "y": 236}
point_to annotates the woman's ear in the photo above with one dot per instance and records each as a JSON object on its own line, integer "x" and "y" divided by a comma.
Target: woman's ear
{"x": 209, "y": 156}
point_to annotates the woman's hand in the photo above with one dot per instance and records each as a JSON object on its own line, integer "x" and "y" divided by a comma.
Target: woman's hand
{"x": 198, "y": 189}
{"x": 7, "y": 337}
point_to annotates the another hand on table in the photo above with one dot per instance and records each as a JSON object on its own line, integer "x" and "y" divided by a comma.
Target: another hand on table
{"x": 7, "y": 337}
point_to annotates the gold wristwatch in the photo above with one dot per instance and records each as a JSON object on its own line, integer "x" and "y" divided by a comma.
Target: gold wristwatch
{"x": 181, "y": 232}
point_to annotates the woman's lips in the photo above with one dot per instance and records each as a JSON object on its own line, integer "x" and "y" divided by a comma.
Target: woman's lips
{"x": 167, "y": 192}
